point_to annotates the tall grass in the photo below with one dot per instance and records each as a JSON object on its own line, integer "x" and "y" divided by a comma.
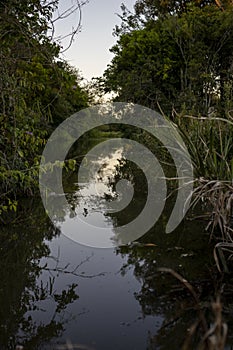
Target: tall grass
{"x": 210, "y": 144}
{"x": 209, "y": 141}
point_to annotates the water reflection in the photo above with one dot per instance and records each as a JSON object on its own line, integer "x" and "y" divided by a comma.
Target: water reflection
{"x": 87, "y": 195}
{"x": 112, "y": 184}
{"x": 54, "y": 291}
{"x": 185, "y": 250}
{"x": 90, "y": 198}
{"x": 161, "y": 294}
{"x": 23, "y": 291}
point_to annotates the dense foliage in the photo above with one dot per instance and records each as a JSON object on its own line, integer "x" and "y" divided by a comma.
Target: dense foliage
{"x": 174, "y": 58}
{"x": 37, "y": 92}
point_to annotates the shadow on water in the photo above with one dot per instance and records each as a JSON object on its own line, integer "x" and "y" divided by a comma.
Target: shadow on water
{"x": 55, "y": 291}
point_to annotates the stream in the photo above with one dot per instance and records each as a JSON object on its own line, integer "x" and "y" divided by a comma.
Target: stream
{"x": 57, "y": 290}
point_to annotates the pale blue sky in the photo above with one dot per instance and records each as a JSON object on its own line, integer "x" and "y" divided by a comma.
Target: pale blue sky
{"x": 90, "y": 50}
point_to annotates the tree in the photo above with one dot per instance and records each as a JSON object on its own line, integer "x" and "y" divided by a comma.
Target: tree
{"x": 139, "y": 70}
{"x": 147, "y": 10}
{"x": 175, "y": 62}
{"x": 37, "y": 91}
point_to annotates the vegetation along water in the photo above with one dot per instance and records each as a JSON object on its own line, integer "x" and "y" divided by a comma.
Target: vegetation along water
{"x": 163, "y": 291}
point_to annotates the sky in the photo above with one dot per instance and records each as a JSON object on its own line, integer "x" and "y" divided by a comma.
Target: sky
{"x": 90, "y": 50}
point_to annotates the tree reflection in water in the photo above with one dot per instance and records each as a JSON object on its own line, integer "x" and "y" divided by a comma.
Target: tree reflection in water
{"x": 24, "y": 293}
{"x": 28, "y": 284}
{"x": 186, "y": 250}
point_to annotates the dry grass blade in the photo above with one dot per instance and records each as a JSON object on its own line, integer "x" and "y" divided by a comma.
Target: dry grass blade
{"x": 192, "y": 292}
{"x": 214, "y": 337}
{"x": 218, "y": 196}
{"x": 191, "y": 332}
{"x": 220, "y": 255}
{"x": 217, "y": 333}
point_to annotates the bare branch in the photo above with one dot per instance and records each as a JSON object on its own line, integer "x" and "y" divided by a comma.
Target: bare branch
{"x": 76, "y": 8}
{"x": 64, "y": 269}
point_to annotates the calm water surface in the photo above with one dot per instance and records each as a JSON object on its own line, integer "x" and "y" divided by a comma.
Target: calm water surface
{"x": 55, "y": 291}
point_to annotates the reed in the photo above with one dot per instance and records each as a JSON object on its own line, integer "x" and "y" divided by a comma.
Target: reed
{"x": 209, "y": 142}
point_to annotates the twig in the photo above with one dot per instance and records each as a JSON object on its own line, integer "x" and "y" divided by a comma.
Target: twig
{"x": 191, "y": 291}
